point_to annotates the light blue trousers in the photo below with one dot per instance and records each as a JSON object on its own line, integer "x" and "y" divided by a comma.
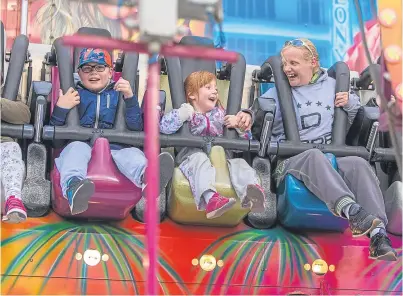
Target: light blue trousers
{"x": 73, "y": 162}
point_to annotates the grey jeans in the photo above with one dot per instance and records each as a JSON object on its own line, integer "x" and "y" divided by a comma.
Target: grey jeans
{"x": 355, "y": 180}
{"x": 198, "y": 170}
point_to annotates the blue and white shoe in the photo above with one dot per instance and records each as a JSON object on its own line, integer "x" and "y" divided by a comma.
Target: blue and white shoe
{"x": 78, "y": 194}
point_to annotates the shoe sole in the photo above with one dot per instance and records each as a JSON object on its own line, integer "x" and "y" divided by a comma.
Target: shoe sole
{"x": 82, "y": 196}
{"x": 256, "y": 197}
{"x": 375, "y": 223}
{"x": 389, "y": 256}
{"x": 167, "y": 166}
{"x": 219, "y": 212}
{"x": 15, "y": 217}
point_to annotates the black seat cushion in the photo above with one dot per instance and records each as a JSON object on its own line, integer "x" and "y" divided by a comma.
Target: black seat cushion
{"x": 260, "y": 107}
{"x": 359, "y": 131}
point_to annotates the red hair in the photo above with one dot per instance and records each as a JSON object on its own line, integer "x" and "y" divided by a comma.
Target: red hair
{"x": 196, "y": 81}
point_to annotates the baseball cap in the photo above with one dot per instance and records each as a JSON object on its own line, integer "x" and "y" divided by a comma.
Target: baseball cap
{"x": 95, "y": 55}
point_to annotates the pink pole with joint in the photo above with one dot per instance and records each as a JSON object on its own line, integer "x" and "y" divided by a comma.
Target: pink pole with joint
{"x": 151, "y": 144}
{"x": 152, "y": 149}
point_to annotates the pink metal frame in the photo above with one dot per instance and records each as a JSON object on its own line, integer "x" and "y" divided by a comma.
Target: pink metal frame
{"x": 151, "y": 144}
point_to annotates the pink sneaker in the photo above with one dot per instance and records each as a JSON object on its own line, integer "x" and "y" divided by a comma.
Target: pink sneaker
{"x": 15, "y": 210}
{"x": 254, "y": 199}
{"x": 218, "y": 205}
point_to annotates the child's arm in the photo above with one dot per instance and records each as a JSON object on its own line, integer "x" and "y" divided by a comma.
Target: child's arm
{"x": 59, "y": 116}
{"x": 64, "y": 104}
{"x": 134, "y": 114}
{"x": 173, "y": 121}
{"x": 14, "y": 112}
{"x": 232, "y": 121}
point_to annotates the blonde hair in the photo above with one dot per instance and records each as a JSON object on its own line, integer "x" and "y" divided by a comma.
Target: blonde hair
{"x": 309, "y": 54}
{"x": 196, "y": 81}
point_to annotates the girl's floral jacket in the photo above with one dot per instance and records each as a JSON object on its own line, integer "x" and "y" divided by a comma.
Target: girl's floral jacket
{"x": 209, "y": 124}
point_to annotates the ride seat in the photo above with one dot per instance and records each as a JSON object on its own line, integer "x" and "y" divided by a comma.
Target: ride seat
{"x": 182, "y": 207}
{"x": 297, "y": 206}
{"x": 115, "y": 196}
{"x": 181, "y": 204}
{"x": 300, "y": 208}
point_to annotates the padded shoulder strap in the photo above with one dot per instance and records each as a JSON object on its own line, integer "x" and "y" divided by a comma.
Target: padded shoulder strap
{"x": 189, "y": 66}
{"x": 341, "y": 73}
{"x": 15, "y": 68}
{"x": 285, "y": 99}
{"x": 2, "y": 49}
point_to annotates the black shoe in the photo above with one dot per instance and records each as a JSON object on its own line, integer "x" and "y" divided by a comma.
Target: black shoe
{"x": 381, "y": 248}
{"x": 78, "y": 194}
{"x": 361, "y": 222}
{"x": 167, "y": 166}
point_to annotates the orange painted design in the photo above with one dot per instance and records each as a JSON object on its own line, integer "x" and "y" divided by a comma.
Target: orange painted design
{"x": 390, "y": 18}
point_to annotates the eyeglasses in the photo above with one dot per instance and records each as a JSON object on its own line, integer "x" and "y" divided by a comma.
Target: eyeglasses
{"x": 89, "y": 69}
{"x": 298, "y": 43}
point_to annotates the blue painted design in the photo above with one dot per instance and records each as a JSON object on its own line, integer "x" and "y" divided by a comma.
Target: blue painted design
{"x": 259, "y": 28}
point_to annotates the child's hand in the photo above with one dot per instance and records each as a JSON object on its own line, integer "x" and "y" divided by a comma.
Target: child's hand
{"x": 124, "y": 87}
{"x": 186, "y": 112}
{"x": 68, "y": 100}
{"x": 231, "y": 121}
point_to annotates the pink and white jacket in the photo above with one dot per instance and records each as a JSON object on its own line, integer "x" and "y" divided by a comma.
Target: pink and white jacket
{"x": 209, "y": 124}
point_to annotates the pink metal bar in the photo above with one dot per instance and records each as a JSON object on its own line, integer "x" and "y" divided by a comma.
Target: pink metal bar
{"x": 199, "y": 52}
{"x": 152, "y": 149}
{"x": 182, "y": 51}
{"x": 105, "y": 43}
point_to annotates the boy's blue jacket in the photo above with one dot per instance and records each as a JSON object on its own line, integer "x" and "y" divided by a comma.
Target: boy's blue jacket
{"x": 98, "y": 110}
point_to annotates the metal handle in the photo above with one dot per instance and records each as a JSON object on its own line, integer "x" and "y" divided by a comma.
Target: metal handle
{"x": 266, "y": 133}
{"x": 39, "y": 117}
{"x": 372, "y": 138}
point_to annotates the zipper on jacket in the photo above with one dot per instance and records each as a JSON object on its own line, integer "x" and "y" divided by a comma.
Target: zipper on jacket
{"x": 108, "y": 100}
{"x": 97, "y": 111}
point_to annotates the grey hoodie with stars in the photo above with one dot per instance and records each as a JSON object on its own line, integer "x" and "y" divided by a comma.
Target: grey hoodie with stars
{"x": 314, "y": 107}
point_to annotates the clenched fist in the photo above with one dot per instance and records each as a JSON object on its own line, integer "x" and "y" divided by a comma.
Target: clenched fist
{"x": 341, "y": 99}
{"x": 244, "y": 121}
{"x": 124, "y": 87}
{"x": 68, "y": 100}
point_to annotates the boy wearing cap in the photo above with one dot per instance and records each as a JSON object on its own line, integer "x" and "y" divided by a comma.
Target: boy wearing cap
{"x": 97, "y": 98}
